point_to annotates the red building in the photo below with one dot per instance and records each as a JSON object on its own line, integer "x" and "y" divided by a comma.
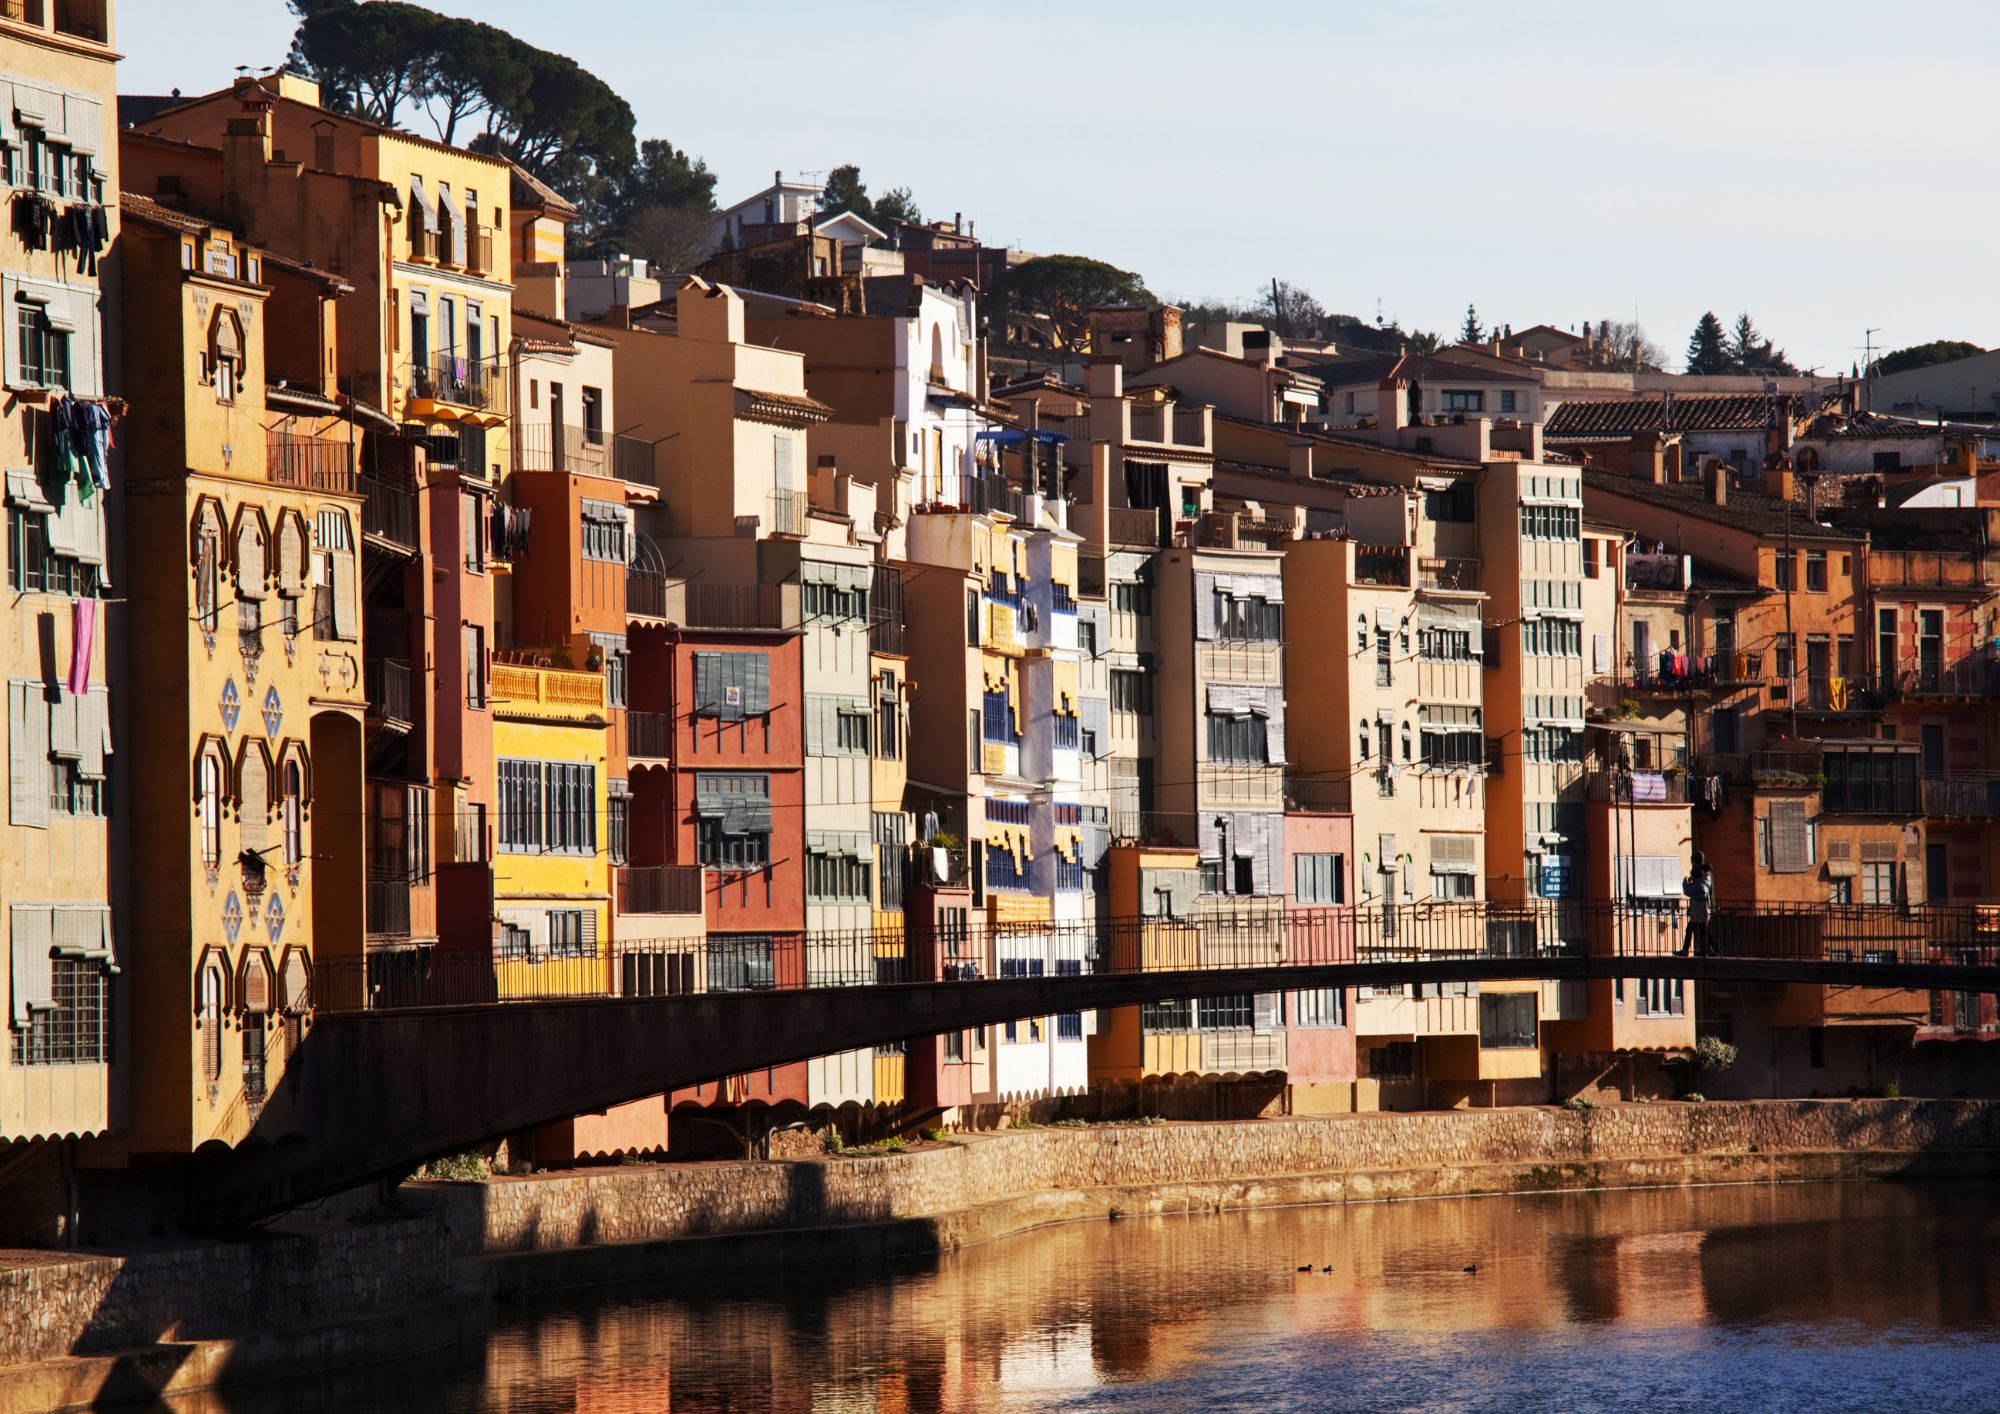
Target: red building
{"x": 1319, "y": 1024}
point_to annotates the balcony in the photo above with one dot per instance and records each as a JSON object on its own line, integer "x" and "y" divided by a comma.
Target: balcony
{"x": 560, "y": 446}
{"x": 1963, "y": 797}
{"x": 1134, "y": 527}
{"x": 632, "y": 461}
{"x": 698, "y": 604}
{"x": 309, "y": 463}
{"x": 1449, "y": 576}
{"x": 444, "y": 387}
{"x": 1829, "y": 695}
{"x": 1969, "y": 569}
{"x": 1387, "y": 565}
{"x": 479, "y": 249}
{"x": 387, "y": 682}
{"x": 649, "y": 735}
{"x": 659, "y": 889}
{"x": 399, "y": 911}
{"x": 1637, "y": 787}
{"x": 548, "y": 693}
{"x": 1318, "y": 795}
{"x": 1973, "y": 679}
{"x": 389, "y": 514}
{"x": 785, "y": 513}
{"x": 1862, "y": 781}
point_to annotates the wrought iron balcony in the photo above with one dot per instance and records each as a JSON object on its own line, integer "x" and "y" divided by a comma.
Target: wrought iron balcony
{"x": 659, "y": 889}
{"x": 309, "y": 463}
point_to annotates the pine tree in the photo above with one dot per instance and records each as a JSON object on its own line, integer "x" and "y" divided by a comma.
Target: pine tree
{"x": 1707, "y": 348}
{"x": 1471, "y": 333}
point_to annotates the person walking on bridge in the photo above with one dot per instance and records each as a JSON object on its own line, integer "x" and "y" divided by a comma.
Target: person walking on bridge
{"x": 1699, "y": 886}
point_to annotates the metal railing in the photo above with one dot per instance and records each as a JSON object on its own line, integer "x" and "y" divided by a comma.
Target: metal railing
{"x": 1318, "y": 795}
{"x": 1962, "y": 797}
{"x": 700, "y": 604}
{"x": 309, "y": 463}
{"x": 1972, "y": 678}
{"x": 659, "y": 889}
{"x": 1637, "y": 787}
{"x": 1134, "y": 527}
{"x": 387, "y": 682}
{"x": 786, "y": 513}
{"x": 559, "y": 446}
{"x": 1449, "y": 576}
{"x": 388, "y": 903}
{"x": 1405, "y": 940}
{"x": 632, "y": 461}
{"x": 389, "y": 512}
{"x": 1382, "y": 564}
{"x": 1970, "y": 568}
{"x": 479, "y": 384}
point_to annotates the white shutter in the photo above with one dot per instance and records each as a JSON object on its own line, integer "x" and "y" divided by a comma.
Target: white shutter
{"x": 343, "y": 595}
{"x": 29, "y": 942}
{"x": 253, "y": 801}
{"x": 250, "y": 563}
{"x": 83, "y": 120}
{"x": 27, "y": 755}
{"x": 86, "y": 366}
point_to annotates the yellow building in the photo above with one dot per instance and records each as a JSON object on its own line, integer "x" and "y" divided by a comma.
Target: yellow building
{"x": 245, "y": 766}
{"x": 551, "y": 870}
{"x": 57, "y": 93}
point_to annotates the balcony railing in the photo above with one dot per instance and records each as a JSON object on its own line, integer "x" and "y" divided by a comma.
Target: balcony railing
{"x": 1970, "y": 569}
{"x": 1637, "y": 787}
{"x": 1135, "y": 527}
{"x": 1972, "y": 678}
{"x": 388, "y": 903}
{"x": 649, "y": 735}
{"x": 659, "y": 889}
{"x": 1962, "y": 798}
{"x": 559, "y": 446}
{"x": 785, "y": 513}
{"x": 480, "y": 385}
{"x": 699, "y": 604}
{"x": 1318, "y": 795}
{"x": 632, "y": 461}
{"x": 1449, "y": 576}
{"x": 479, "y": 249}
{"x": 1382, "y": 564}
{"x": 309, "y": 463}
{"x": 389, "y": 512}
{"x": 387, "y": 681}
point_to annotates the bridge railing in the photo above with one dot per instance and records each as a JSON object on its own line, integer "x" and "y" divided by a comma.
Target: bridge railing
{"x": 1220, "y": 934}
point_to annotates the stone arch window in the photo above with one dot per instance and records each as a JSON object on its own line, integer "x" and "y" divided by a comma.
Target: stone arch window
{"x": 333, "y": 578}
{"x": 253, "y": 809}
{"x": 293, "y": 813}
{"x": 291, "y": 576}
{"x": 211, "y": 789}
{"x": 207, "y": 560}
{"x": 209, "y": 989}
{"x": 254, "y": 978}
{"x": 225, "y": 355}
{"x": 937, "y": 354}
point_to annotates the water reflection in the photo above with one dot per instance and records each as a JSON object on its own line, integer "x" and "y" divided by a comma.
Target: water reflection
{"x": 1825, "y": 1296}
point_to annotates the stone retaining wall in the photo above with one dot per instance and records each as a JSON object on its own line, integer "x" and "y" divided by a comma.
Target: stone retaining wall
{"x": 74, "y": 1304}
{"x": 1523, "y": 1148}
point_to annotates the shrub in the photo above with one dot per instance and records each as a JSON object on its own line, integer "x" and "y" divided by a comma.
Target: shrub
{"x": 469, "y": 1167}
{"x": 935, "y": 1136}
{"x": 1892, "y": 1090}
{"x": 1579, "y": 1103}
{"x": 1713, "y": 1053}
{"x": 830, "y": 1142}
{"x": 1695, "y": 1097}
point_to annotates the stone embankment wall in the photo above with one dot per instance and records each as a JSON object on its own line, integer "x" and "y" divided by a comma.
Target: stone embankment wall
{"x": 1056, "y": 1173}
{"x": 68, "y": 1304}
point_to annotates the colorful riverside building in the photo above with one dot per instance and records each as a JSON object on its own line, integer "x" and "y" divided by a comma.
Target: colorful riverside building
{"x": 58, "y": 1080}
{"x": 245, "y": 770}
{"x": 419, "y": 229}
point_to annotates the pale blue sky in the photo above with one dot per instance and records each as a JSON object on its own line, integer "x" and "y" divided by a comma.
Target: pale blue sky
{"x": 1822, "y": 164}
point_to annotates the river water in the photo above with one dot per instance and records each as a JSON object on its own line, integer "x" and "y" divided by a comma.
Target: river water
{"x": 1837, "y": 1296}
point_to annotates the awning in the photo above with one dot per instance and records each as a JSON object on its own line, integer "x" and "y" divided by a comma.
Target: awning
{"x": 1015, "y": 436}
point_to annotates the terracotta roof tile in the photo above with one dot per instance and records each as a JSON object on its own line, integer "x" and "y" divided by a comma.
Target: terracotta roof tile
{"x": 1746, "y": 510}
{"x": 1626, "y": 417}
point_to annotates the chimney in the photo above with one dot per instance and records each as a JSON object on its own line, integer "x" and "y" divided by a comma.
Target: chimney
{"x": 957, "y": 222}
{"x": 1392, "y": 411}
{"x": 1965, "y": 458}
{"x": 246, "y": 152}
{"x": 1716, "y": 478}
{"x": 1675, "y": 470}
{"x": 1649, "y": 457}
{"x": 1779, "y": 479}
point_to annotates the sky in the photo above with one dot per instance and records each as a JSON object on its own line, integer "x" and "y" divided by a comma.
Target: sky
{"x": 1820, "y": 165}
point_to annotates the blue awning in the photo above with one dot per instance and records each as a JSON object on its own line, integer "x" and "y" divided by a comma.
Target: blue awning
{"x": 1015, "y": 436}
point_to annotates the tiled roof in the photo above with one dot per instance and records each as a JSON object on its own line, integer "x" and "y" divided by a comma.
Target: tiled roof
{"x": 1692, "y": 412}
{"x": 1361, "y": 441}
{"x": 531, "y": 190}
{"x": 784, "y": 409}
{"x": 1421, "y": 367}
{"x": 1746, "y": 510}
{"x": 1871, "y": 426}
{"x": 144, "y": 208}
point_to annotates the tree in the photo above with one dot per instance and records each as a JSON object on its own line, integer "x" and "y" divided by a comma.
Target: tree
{"x": 659, "y": 207}
{"x": 471, "y": 68}
{"x": 370, "y": 59}
{"x": 1621, "y": 346}
{"x": 1290, "y": 312}
{"x": 896, "y": 204}
{"x": 1751, "y": 352}
{"x": 1707, "y": 349}
{"x": 1470, "y": 332}
{"x": 1924, "y": 356}
{"x": 844, "y": 192}
{"x": 567, "y": 127}
{"x": 1064, "y": 289}
{"x": 667, "y": 237}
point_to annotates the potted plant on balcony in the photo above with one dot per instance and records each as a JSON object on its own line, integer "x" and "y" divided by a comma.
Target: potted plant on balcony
{"x": 594, "y": 658}
{"x": 942, "y": 843}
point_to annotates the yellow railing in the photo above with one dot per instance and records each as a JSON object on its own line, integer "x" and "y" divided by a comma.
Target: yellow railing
{"x": 562, "y": 690}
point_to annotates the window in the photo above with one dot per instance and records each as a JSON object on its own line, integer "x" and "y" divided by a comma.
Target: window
{"x": 211, "y": 810}
{"x": 207, "y": 577}
{"x": 1784, "y": 654}
{"x": 1462, "y": 400}
{"x": 516, "y": 943}
{"x": 972, "y": 618}
{"x": 732, "y": 686}
{"x": 1240, "y": 740}
{"x": 520, "y": 822}
{"x": 1784, "y": 569}
{"x": 1452, "y": 504}
{"x": 1507, "y": 1021}
{"x": 1323, "y": 1008}
{"x": 475, "y": 666}
{"x": 954, "y": 1047}
{"x": 1248, "y": 620}
{"x": 1551, "y": 523}
{"x": 734, "y": 815}
{"x": 1878, "y": 882}
{"x": 1507, "y": 403}
{"x": 1397, "y": 1060}
{"x": 33, "y": 567}
{"x": 996, "y": 720}
{"x": 569, "y": 807}
{"x": 253, "y": 1058}
{"x": 605, "y": 532}
{"x": 1131, "y": 692}
{"x": 1661, "y": 996}
{"x": 250, "y": 626}
{"x": 1552, "y": 638}
{"x": 618, "y": 827}
{"x": 1319, "y": 880}
{"x": 836, "y": 877}
{"x": 740, "y": 964}
{"x": 572, "y": 933}
{"x": 1445, "y": 645}
{"x": 44, "y": 361}
{"x": 1135, "y": 599}
{"x": 1383, "y": 662}
{"x": 1086, "y": 637}
{"x": 1444, "y": 749}
{"x": 888, "y": 721}
{"x": 831, "y": 601}
{"x": 293, "y": 810}
{"x": 1816, "y": 571}
{"x": 472, "y": 529}
{"x": 593, "y": 416}
{"x": 851, "y": 732}
{"x": 75, "y": 1029}
{"x": 1004, "y": 870}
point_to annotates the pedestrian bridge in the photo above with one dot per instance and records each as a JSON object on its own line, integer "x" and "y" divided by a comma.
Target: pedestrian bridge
{"x": 413, "y": 1059}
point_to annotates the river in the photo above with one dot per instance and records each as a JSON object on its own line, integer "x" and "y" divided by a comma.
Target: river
{"x": 1837, "y": 1296}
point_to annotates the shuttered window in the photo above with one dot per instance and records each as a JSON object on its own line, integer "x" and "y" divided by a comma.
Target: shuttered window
{"x": 732, "y": 687}
{"x": 253, "y": 801}
{"x": 1791, "y": 840}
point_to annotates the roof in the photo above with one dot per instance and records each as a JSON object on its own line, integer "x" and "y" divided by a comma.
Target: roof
{"x": 272, "y": 95}
{"x": 143, "y": 208}
{"x": 531, "y": 190}
{"x": 309, "y": 270}
{"x": 832, "y": 218}
{"x": 1746, "y": 510}
{"x": 788, "y": 409}
{"x": 1421, "y": 367}
{"x": 1288, "y": 375}
{"x": 1360, "y": 441}
{"x": 1873, "y": 426}
{"x": 1627, "y": 417}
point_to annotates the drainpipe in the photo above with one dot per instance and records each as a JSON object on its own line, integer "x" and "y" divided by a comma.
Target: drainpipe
{"x": 71, "y": 1215}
